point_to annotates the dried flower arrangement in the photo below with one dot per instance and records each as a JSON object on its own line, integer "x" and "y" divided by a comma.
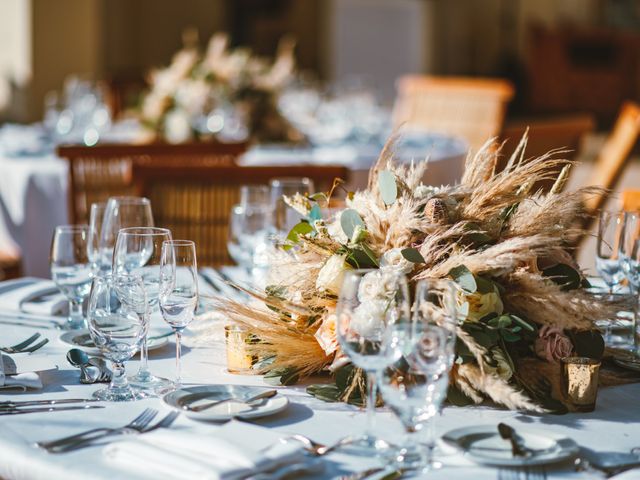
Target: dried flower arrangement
{"x": 522, "y": 298}
{"x": 194, "y": 96}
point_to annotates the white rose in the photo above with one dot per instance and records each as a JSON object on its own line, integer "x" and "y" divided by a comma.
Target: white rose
{"x": 481, "y": 305}
{"x": 393, "y": 259}
{"x": 331, "y": 274}
{"x": 503, "y": 368}
{"x": 335, "y": 230}
{"x": 367, "y": 319}
{"x": 326, "y": 335}
{"x": 423, "y": 191}
{"x": 177, "y": 128}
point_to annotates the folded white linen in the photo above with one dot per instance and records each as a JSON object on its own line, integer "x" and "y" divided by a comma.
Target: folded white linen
{"x": 22, "y": 381}
{"x": 31, "y": 295}
{"x": 232, "y": 451}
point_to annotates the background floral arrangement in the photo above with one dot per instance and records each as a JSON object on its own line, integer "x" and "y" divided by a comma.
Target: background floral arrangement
{"x": 228, "y": 93}
{"x": 522, "y": 299}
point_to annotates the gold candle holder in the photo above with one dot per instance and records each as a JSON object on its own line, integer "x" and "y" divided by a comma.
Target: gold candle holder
{"x": 238, "y": 358}
{"x": 580, "y": 382}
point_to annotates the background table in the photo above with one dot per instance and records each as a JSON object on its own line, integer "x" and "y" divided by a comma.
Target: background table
{"x": 612, "y": 427}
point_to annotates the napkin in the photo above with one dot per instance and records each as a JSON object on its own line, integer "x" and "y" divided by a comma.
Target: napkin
{"x": 21, "y": 381}
{"x": 232, "y": 451}
{"x": 31, "y": 295}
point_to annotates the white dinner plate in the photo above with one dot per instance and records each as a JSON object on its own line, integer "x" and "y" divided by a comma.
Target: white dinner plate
{"x": 627, "y": 360}
{"x": 192, "y": 396}
{"x": 82, "y": 340}
{"x": 483, "y": 444}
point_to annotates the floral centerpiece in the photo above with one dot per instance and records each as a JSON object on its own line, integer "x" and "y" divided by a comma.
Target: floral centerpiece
{"x": 522, "y": 299}
{"x": 228, "y": 93}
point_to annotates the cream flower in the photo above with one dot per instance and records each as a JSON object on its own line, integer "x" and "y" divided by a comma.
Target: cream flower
{"x": 367, "y": 319}
{"x": 326, "y": 335}
{"x": 482, "y": 304}
{"x": 177, "y": 128}
{"x": 393, "y": 259}
{"x": 335, "y": 230}
{"x": 503, "y": 368}
{"x": 331, "y": 274}
{"x": 375, "y": 285}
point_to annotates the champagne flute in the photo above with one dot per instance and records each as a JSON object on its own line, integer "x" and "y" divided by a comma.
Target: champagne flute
{"x": 286, "y": 218}
{"x": 121, "y": 212}
{"x": 117, "y": 325}
{"x": 370, "y": 302}
{"x": 138, "y": 251}
{"x": 608, "y": 264}
{"x": 71, "y": 269}
{"x": 96, "y": 218}
{"x": 178, "y": 290}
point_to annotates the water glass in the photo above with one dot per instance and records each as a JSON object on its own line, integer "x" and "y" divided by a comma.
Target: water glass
{"x": 71, "y": 269}
{"x": 251, "y": 195}
{"x": 369, "y": 304}
{"x": 178, "y": 289}
{"x": 286, "y": 218}
{"x": 117, "y": 325}
{"x": 121, "y": 212}
{"x": 630, "y": 260}
{"x": 96, "y": 218}
{"x": 249, "y": 231}
{"x": 414, "y": 388}
{"x": 610, "y": 227}
{"x": 138, "y": 251}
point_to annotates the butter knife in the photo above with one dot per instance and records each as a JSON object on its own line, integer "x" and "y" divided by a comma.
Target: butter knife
{"x": 517, "y": 447}
{"x": 20, "y": 410}
{"x": 31, "y": 403}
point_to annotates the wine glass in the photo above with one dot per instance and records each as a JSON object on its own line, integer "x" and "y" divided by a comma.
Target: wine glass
{"x": 414, "y": 388}
{"x": 138, "y": 251}
{"x": 248, "y": 240}
{"x": 286, "y": 218}
{"x": 71, "y": 269}
{"x": 254, "y": 195}
{"x": 608, "y": 264}
{"x": 178, "y": 289}
{"x": 96, "y": 218}
{"x": 630, "y": 262}
{"x": 121, "y": 212}
{"x": 370, "y": 302}
{"x": 117, "y": 325}
{"x": 435, "y": 306}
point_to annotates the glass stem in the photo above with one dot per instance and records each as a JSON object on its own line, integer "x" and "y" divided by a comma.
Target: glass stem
{"x": 178, "y": 358}
{"x": 118, "y": 379}
{"x": 372, "y": 389}
{"x": 635, "y": 328}
{"x": 144, "y": 352}
{"x": 76, "y": 319}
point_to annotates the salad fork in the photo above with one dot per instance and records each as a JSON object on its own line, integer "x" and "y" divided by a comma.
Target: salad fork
{"x": 20, "y": 347}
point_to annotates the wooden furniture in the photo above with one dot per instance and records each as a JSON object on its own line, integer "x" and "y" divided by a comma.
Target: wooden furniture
{"x": 631, "y": 200}
{"x": 195, "y": 201}
{"x": 614, "y": 155}
{"x": 471, "y": 108}
{"x": 565, "y": 132}
{"x": 102, "y": 171}
{"x": 10, "y": 266}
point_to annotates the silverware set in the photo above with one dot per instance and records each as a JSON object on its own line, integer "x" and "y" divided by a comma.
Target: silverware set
{"x": 36, "y": 406}
{"x": 527, "y": 473}
{"x": 138, "y": 425}
{"x": 26, "y": 346}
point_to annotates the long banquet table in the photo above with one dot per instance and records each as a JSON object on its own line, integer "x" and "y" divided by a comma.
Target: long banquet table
{"x": 613, "y": 426}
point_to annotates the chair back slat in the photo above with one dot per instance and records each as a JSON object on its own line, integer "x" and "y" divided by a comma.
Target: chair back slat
{"x": 194, "y": 201}
{"x": 631, "y": 200}
{"x": 470, "y": 108}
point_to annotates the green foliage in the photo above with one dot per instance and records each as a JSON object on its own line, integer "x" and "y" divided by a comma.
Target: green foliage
{"x": 463, "y": 277}
{"x": 457, "y": 398}
{"x": 588, "y": 344}
{"x": 566, "y": 276}
{"x": 413, "y": 255}
{"x": 349, "y": 220}
{"x": 315, "y": 213}
{"x": 388, "y": 187}
{"x": 302, "y": 228}
{"x": 282, "y": 376}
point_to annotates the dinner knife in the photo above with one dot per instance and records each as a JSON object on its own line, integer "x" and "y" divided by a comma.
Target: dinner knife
{"x": 20, "y": 410}
{"x": 30, "y": 403}
{"x": 517, "y": 447}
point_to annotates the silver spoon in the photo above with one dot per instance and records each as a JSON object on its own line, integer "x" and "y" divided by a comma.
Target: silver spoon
{"x": 88, "y": 373}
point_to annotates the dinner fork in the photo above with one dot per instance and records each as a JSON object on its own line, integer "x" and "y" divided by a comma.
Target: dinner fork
{"x": 68, "y": 443}
{"x": 19, "y": 347}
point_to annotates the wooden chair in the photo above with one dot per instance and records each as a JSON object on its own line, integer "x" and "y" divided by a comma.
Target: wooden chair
{"x": 10, "y": 265}
{"x": 565, "y": 132}
{"x": 195, "y": 201}
{"x": 99, "y": 172}
{"x": 631, "y": 200}
{"x": 614, "y": 155}
{"x": 471, "y": 108}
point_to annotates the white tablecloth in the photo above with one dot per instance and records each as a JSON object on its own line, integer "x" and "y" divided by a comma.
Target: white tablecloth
{"x": 613, "y": 426}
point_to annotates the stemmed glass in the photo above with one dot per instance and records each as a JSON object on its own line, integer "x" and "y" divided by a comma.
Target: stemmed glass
{"x": 71, "y": 269}
{"x": 249, "y": 228}
{"x": 254, "y": 195}
{"x": 138, "y": 251}
{"x": 370, "y": 302}
{"x": 117, "y": 325}
{"x": 286, "y": 218}
{"x": 96, "y": 218}
{"x": 178, "y": 290}
{"x": 414, "y": 388}
{"x": 121, "y": 212}
{"x": 630, "y": 262}
{"x": 608, "y": 265}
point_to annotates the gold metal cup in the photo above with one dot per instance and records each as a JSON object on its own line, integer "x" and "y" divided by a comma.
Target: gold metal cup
{"x": 238, "y": 358}
{"x": 580, "y": 382}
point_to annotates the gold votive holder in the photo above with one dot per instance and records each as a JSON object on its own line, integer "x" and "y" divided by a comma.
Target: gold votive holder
{"x": 239, "y": 360}
{"x": 580, "y": 382}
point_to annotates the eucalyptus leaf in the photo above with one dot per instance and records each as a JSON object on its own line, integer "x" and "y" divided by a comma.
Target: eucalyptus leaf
{"x": 485, "y": 285}
{"x": 523, "y": 323}
{"x": 565, "y": 275}
{"x": 413, "y": 255}
{"x": 349, "y": 220}
{"x": 463, "y": 277}
{"x": 302, "y": 228}
{"x": 315, "y": 213}
{"x": 388, "y": 187}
